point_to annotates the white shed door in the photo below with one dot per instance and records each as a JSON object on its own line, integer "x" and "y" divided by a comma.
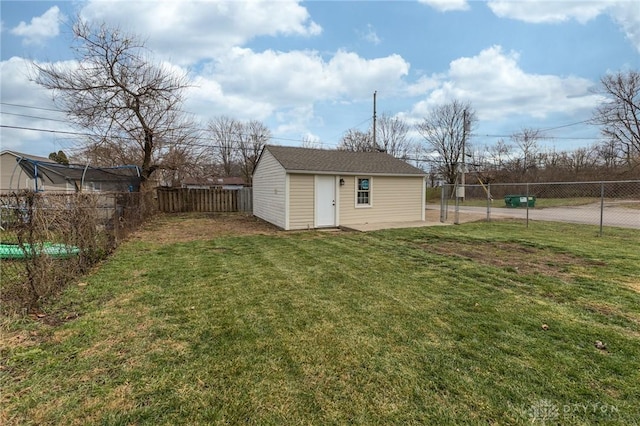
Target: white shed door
{"x": 325, "y": 201}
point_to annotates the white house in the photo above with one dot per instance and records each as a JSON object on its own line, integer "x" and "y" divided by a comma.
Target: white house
{"x": 301, "y": 188}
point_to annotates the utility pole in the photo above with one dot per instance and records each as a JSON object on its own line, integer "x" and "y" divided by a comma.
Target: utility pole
{"x": 464, "y": 145}
{"x": 375, "y": 145}
{"x": 462, "y": 169}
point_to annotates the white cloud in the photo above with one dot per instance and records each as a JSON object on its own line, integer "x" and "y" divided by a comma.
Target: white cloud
{"x": 291, "y": 78}
{"x": 23, "y": 97}
{"x": 536, "y": 11}
{"x": 295, "y": 120}
{"x": 370, "y": 35}
{"x": 207, "y": 99}
{"x": 188, "y": 31}
{"x": 281, "y": 88}
{"x": 424, "y": 84}
{"x": 497, "y": 88}
{"x": 286, "y": 85}
{"x": 625, "y": 13}
{"x": 41, "y": 27}
{"x": 447, "y": 5}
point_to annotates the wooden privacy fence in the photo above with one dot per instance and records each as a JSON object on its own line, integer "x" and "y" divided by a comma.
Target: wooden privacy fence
{"x": 172, "y": 200}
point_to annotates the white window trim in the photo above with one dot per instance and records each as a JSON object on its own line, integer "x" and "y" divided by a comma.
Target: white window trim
{"x": 364, "y": 206}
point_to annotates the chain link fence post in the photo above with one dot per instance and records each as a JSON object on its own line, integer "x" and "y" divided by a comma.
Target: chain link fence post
{"x": 443, "y": 204}
{"x": 601, "y": 207}
{"x": 527, "y": 201}
{"x": 488, "y": 202}
{"x": 457, "y": 209}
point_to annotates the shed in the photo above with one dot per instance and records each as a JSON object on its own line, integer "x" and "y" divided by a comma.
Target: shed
{"x": 302, "y": 188}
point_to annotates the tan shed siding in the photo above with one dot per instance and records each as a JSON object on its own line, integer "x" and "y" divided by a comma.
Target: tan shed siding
{"x": 11, "y": 175}
{"x": 269, "y": 190}
{"x": 346, "y": 195}
{"x": 13, "y": 178}
{"x": 394, "y": 199}
{"x": 301, "y": 201}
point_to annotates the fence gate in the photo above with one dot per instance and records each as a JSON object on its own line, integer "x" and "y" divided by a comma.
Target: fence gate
{"x": 173, "y": 200}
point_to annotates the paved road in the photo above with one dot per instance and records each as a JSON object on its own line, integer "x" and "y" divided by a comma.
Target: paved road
{"x": 613, "y": 215}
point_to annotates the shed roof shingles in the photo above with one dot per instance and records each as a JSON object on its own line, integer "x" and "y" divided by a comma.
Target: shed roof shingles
{"x": 321, "y": 160}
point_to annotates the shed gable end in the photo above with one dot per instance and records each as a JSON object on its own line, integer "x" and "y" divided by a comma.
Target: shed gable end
{"x": 269, "y": 190}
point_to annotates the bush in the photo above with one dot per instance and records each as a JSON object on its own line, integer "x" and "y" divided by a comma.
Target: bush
{"x": 89, "y": 224}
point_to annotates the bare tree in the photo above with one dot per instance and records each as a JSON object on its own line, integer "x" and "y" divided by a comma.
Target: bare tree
{"x": 416, "y": 156}
{"x": 252, "y": 138}
{"x": 184, "y": 162}
{"x": 479, "y": 162}
{"x": 527, "y": 141}
{"x": 392, "y": 135}
{"x": 129, "y": 105}
{"x": 500, "y": 154}
{"x": 609, "y": 155}
{"x": 356, "y": 140}
{"x": 445, "y": 131}
{"x": 176, "y": 170}
{"x": 310, "y": 142}
{"x": 225, "y": 133}
{"x": 582, "y": 162}
{"x": 552, "y": 163}
{"x": 619, "y": 115}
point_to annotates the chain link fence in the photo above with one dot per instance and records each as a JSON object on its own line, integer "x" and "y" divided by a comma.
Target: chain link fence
{"x": 48, "y": 239}
{"x": 606, "y": 203}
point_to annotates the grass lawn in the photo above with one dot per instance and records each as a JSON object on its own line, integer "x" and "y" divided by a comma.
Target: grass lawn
{"x": 440, "y": 325}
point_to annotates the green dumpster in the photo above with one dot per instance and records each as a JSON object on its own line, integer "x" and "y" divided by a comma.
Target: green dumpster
{"x": 519, "y": 201}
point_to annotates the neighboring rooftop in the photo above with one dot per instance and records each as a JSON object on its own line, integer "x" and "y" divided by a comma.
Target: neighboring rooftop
{"x": 295, "y": 159}
{"x": 22, "y": 155}
{"x": 216, "y": 181}
{"x": 120, "y": 178}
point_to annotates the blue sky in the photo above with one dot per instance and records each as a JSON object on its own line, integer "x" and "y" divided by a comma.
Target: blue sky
{"x": 309, "y": 69}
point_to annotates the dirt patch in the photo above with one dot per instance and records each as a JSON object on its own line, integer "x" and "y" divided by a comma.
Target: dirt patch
{"x": 19, "y": 339}
{"x": 176, "y": 228}
{"x": 634, "y": 285}
{"x": 512, "y": 256}
{"x": 432, "y": 215}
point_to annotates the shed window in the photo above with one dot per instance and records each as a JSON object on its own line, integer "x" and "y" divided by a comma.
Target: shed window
{"x": 363, "y": 192}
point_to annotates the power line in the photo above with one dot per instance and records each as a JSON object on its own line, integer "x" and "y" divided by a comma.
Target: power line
{"x": 211, "y": 145}
{"x": 122, "y": 137}
{"x": 425, "y": 159}
{"x": 88, "y": 134}
{"x": 33, "y": 116}
{"x": 273, "y": 137}
{"x": 565, "y": 125}
{"x": 56, "y": 110}
{"x": 361, "y": 123}
{"x": 45, "y": 130}
{"x": 31, "y": 107}
{"x": 200, "y": 145}
{"x": 542, "y": 137}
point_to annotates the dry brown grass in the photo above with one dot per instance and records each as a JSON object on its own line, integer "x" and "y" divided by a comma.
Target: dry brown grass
{"x": 168, "y": 229}
{"x": 523, "y": 259}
